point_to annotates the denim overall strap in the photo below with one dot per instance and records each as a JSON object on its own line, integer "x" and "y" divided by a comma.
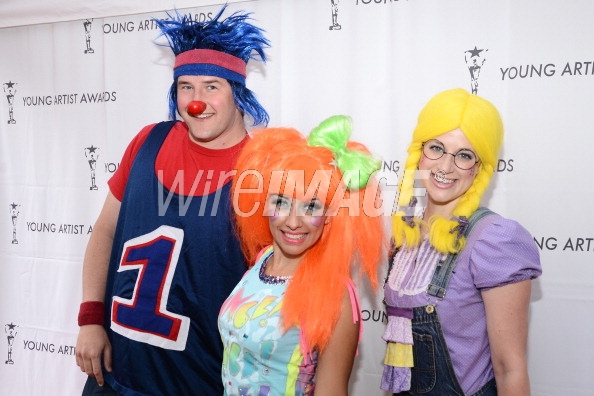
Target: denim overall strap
{"x": 433, "y": 372}
{"x": 443, "y": 272}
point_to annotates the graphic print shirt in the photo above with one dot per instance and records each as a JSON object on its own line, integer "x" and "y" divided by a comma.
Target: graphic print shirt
{"x": 260, "y": 359}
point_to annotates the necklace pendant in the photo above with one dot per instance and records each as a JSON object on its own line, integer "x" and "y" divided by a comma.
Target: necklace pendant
{"x": 429, "y": 308}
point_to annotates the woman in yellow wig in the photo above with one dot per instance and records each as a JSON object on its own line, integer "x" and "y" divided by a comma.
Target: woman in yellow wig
{"x": 458, "y": 289}
{"x": 306, "y": 218}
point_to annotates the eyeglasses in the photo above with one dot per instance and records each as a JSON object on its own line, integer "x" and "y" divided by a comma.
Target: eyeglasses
{"x": 464, "y": 159}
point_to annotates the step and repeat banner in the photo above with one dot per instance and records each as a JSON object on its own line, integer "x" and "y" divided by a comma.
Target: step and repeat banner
{"x": 75, "y": 92}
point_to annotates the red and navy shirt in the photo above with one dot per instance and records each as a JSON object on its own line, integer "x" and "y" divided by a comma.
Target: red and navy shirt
{"x": 175, "y": 259}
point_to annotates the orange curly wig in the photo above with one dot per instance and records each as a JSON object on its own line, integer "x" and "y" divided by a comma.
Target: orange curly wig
{"x": 314, "y": 294}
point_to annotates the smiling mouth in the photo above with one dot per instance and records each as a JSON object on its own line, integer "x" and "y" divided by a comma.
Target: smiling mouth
{"x": 294, "y": 237}
{"x": 202, "y": 116}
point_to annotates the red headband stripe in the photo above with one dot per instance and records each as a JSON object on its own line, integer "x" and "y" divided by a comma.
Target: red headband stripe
{"x": 208, "y": 56}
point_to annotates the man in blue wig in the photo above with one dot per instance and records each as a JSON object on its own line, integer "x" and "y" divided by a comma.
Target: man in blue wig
{"x": 163, "y": 255}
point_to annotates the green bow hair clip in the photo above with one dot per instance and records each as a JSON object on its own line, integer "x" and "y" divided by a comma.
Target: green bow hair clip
{"x": 356, "y": 167}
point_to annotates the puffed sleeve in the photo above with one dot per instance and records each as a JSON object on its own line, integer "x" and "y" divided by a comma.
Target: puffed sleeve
{"x": 504, "y": 252}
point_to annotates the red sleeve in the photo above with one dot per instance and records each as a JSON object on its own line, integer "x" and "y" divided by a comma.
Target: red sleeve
{"x": 117, "y": 183}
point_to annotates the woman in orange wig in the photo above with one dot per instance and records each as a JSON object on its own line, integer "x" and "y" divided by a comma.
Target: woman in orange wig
{"x": 306, "y": 216}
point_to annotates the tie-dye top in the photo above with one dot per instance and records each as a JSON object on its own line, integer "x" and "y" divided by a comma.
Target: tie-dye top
{"x": 259, "y": 358}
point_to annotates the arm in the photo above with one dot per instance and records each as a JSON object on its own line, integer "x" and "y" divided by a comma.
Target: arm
{"x": 336, "y": 362}
{"x": 507, "y": 327}
{"x": 92, "y": 342}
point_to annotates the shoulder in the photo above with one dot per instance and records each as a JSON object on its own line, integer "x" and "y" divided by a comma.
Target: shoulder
{"x": 141, "y": 137}
{"x": 117, "y": 183}
{"x": 495, "y": 229}
{"x": 263, "y": 255}
{"x": 138, "y": 140}
{"x": 501, "y": 251}
{"x": 144, "y": 132}
{"x": 177, "y": 128}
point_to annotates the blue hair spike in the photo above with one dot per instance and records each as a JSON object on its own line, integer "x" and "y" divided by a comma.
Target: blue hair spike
{"x": 233, "y": 35}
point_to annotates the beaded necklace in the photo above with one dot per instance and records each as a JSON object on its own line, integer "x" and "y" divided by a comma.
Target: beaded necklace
{"x": 271, "y": 279}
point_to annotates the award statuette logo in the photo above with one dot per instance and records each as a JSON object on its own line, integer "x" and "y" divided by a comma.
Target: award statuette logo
{"x": 14, "y": 214}
{"x": 334, "y": 8}
{"x": 88, "y": 24}
{"x": 10, "y": 330}
{"x": 92, "y": 155}
{"x": 10, "y": 90}
{"x": 474, "y": 62}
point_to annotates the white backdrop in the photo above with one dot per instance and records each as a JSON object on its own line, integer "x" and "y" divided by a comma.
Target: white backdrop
{"x": 73, "y": 98}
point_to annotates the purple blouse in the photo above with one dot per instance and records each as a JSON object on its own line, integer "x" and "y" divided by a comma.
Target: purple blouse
{"x": 498, "y": 252}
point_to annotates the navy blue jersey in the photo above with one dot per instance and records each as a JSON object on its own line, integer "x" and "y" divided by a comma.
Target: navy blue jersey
{"x": 175, "y": 259}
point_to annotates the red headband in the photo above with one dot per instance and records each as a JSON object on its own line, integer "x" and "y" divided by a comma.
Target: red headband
{"x": 208, "y": 56}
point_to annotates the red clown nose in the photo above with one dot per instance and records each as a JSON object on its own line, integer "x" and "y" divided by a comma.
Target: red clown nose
{"x": 196, "y": 107}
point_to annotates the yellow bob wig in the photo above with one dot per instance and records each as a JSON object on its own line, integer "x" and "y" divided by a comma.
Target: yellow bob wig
{"x": 481, "y": 123}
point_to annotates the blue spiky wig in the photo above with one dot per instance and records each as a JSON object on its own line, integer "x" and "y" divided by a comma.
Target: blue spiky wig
{"x": 220, "y": 48}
